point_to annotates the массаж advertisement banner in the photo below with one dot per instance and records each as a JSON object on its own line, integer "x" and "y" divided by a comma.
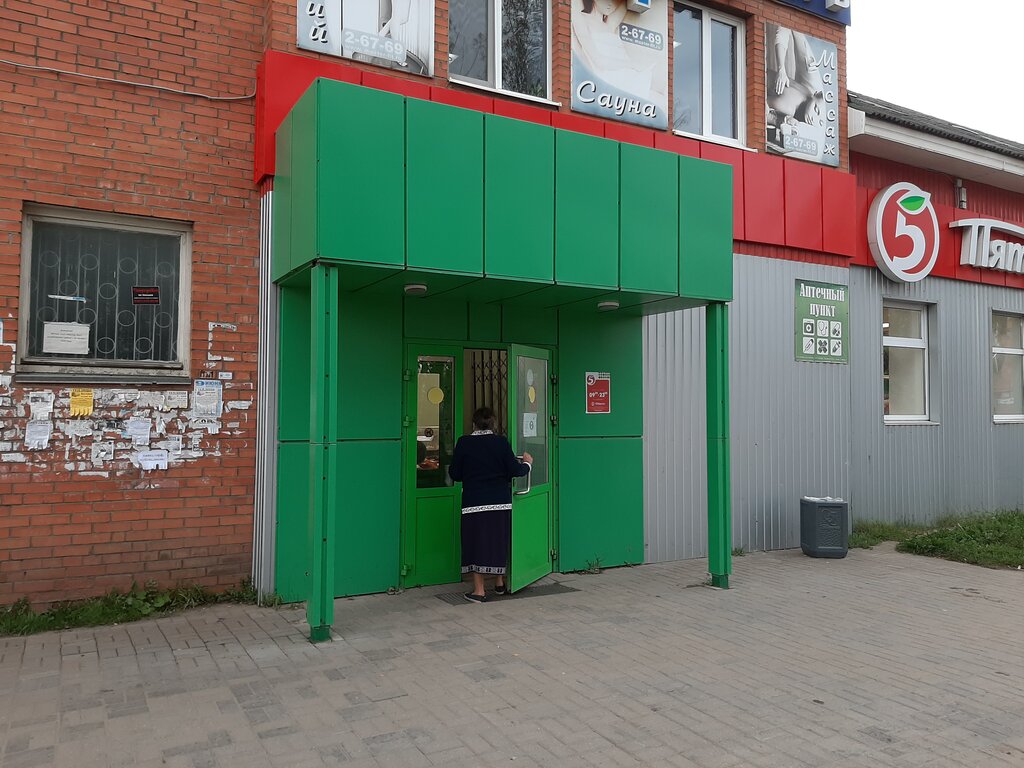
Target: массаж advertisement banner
{"x": 802, "y": 87}
{"x": 620, "y": 61}
{"x": 389, "y": 33}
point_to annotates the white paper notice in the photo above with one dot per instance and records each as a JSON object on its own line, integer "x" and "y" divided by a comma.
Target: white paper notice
{"x": 152, "y": 459}
{"x": 175, "y": 399}
{"x": 78, "y": 427}
{"x": 37, "y": 435}
{"x": 102, "y": 452}
{"x": 172, "y": 444}
{"x": 40, "y": 405}
{"x": 138, "y": 429}
{"x": 207, "y": 398}
{"x": 65, "y": 339}
{"x": 529, "y": 425}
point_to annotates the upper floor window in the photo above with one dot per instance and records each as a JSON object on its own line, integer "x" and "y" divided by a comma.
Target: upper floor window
{"x": 103, "y": 293}
{"x": 1007, "y": 367}
{"x": 905, "y": 362}
{"x": 708, "y": 74}
{"x": 501, "y": 44}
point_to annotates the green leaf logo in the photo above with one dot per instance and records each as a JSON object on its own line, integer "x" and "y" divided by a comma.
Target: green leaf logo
{"x": 914, "y": 203}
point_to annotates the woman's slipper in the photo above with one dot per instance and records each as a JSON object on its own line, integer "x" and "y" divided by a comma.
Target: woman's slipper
{"x": 475, "y": 598}
{"x": 502, "y": 590}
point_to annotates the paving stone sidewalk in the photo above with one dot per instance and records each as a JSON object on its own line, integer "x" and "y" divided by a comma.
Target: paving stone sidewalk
{"x": 881, "y": 659}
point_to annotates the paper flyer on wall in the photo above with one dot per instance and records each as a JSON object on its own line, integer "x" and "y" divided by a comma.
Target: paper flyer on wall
{"x": 620, "y": 61}
{"x": 802, "y": 95}
{"x": 82, "y": 402}
{"x": 37, "y": 435}
{"x": 207, "y": 398}
{"x": 398, "y": 34}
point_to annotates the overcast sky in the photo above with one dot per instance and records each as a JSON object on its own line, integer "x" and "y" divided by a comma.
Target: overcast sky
{"x": 959, "y": 61}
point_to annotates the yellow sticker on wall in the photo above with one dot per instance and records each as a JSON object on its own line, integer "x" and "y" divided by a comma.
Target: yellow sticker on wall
{"x": 435, "y": 395}
{"x": 532, "y": 394}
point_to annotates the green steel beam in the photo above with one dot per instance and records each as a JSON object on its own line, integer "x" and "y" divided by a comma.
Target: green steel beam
{"x": 323, "y": 447}
{"x": 719, "y": 497}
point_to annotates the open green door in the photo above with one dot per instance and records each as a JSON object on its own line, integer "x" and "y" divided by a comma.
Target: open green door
{"x": 531, "y": 431}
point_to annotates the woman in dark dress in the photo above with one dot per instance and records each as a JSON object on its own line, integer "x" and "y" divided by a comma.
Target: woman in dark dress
{"x": 485, "y": 465}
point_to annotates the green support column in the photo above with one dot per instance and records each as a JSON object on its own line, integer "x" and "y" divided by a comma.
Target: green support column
{"x": 323, "y": 447}
{"x": 719, "y": 495}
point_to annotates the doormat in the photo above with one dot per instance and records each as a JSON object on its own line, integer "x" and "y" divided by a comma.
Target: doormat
{"x": 457, "y": 598}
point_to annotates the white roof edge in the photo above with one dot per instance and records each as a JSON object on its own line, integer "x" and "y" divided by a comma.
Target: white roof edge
{"x": 859, "y": 124}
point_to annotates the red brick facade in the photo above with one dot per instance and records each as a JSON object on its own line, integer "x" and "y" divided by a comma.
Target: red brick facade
{"x": 69, "y": 527}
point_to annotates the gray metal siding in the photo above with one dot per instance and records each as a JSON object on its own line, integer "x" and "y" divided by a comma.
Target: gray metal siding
{"x": 963, "y": 462}
{"x": 790, "y": 422}
{"x": 817, "y": 429}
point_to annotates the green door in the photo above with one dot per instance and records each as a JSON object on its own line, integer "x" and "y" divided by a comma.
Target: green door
{"x": 530, "y": 430}
{"x": 431, "y": 502}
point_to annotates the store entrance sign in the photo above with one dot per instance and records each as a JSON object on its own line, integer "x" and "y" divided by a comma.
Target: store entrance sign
{"x": 599, "y": 392}
{"x": 822, "y": 322}
{"x": 981, "y": 249}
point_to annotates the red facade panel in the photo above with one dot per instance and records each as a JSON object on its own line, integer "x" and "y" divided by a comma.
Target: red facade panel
{"x": 474, "y": 101}
{"x": 716, "y": 153}
{"x": 677, "y": 144}
{"x": 630, "y": 134}
{"x": 763, "y": 192}
{"x": 838, "y": 201}
{"x": 518, "y": 111}
{"x": 949, "y": 244}
{"x": 803, "y": 205}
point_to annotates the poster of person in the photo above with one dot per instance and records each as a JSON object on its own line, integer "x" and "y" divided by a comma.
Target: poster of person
{"x": 620, "y": 60}
{"x": 802, "y": 87}
{"x": 398, "y": 34}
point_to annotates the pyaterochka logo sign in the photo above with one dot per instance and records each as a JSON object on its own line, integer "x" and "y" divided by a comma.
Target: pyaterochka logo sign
{"x": 903, "y": 232}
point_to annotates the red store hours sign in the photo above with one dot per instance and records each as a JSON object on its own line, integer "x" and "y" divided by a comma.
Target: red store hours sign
{"x": 599, "y": 392}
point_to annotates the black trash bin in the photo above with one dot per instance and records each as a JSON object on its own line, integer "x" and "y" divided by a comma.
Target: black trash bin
{"x": 824, "y": 527}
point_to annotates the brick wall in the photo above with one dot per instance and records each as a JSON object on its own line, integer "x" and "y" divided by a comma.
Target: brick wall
{"x": 69, "y": 526}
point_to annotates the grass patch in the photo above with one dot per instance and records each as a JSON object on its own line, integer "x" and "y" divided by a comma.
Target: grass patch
{"x": 738, "y": 552}
{"x": 867, "y": 534}
{"x": 120, "y": 607}
{"x": 995, "y": 541}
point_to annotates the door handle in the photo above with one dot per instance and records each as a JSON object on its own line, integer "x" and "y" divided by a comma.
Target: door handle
{"x": 529, "y": 474}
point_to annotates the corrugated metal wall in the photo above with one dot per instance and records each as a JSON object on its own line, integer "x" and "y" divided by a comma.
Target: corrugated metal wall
{"x": 790, "y": 422}
{"x": 816, "y": 429}
{"x": 961, "y": 463}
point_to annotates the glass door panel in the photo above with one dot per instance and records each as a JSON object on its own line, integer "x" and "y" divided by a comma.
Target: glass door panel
{"x": 531, "y": 432}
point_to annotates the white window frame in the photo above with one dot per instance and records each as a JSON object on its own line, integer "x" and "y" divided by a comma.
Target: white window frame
{"x": 706, "y": 92}
{"x": 1005, "y": 418}
{"x": 56, "y": 369}
{"x": 904, "y": 342}
{"x": 494, "y": 60}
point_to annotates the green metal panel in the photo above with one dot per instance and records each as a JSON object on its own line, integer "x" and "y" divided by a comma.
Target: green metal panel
{"x": 292, "y": 539}
{"x": 303, "y": 180}
{"x": 444, "y": 187}
{"x": 281, "y": 212}
{"x": 370, "y": 375}
{"x": 719, "y": 493}
{"x": 529, "y": 325}
{"x": 323, "y": 455}
{"x": 600, "y": 502}
{"x": 648, "y": 216}
{"x": 532, "y": 506}
{"x": 435, "y": 537}
{"x": 293, "y": 360}
{"x": 519, "y": 192}
{"x": 366, "y": 536}
{"x": 484, "y": 322}
{"x": 361, "y": 165}
{"x": 441, "y": 319}
{"x": 586, "y": 229}
{"x": 705, "y": 229}
{"x": 609, "y": 342}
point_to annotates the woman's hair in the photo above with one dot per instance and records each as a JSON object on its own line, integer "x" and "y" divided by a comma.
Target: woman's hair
{"x": 483, "y": 418}
{"x": 588, "y": 6}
